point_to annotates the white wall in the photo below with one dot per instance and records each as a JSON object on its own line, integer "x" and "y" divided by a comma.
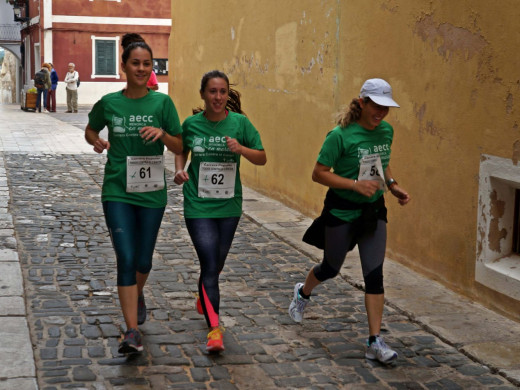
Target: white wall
{"x": 91, "y": 92}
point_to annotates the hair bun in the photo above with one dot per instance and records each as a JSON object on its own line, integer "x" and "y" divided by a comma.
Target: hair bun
{"x": 130, "y": 38}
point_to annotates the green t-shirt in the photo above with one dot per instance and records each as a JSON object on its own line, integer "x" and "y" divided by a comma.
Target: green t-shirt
{"x": 124, "y": 118}
{"x": 207, "y": 143}
{"x": 343, "y": 149}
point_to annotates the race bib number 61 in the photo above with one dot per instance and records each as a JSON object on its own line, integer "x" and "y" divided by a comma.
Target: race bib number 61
{"x": 144, "y": 173}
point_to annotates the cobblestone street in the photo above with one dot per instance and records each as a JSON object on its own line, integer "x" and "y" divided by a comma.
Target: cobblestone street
{"x": 75, "y": 321}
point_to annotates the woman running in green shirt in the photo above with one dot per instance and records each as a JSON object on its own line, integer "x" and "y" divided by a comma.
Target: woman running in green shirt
{"x": 216, "y": 137}
{"x": 141, "y": 122}
{"x": 354, "y": 164}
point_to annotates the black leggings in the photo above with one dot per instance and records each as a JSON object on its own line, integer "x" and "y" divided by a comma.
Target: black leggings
{"x": 372, "y": 247}
{"x": 212, "y": 238}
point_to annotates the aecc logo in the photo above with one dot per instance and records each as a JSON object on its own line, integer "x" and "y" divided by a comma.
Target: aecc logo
{"x": 141, "y": 118}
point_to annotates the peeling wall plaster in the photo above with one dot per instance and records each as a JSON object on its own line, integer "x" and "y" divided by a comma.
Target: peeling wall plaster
{"x": 516, "y": 152}
{"x": 449, "y": 39}
{"x": 495, "y": 234}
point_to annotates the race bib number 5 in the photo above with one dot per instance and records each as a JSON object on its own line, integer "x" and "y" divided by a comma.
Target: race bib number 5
{"x": 217, "y": 180}
{"x": 372, "y": 169}
{"x": 144, "y": 173}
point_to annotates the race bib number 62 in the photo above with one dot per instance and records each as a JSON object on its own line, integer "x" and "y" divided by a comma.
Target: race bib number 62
{"x": 217, "y": 180}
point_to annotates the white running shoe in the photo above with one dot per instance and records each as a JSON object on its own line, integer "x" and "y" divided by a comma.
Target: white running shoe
{"x": 378, "y": 350}
{"x": 297, "y": 305}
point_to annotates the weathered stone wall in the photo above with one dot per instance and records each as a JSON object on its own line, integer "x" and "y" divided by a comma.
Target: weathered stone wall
{"x": 8, "y": 79}
{"x": 454, "y": 70}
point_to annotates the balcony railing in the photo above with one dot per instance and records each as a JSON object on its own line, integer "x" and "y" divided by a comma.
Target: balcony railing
{"x": 10, "y": 33}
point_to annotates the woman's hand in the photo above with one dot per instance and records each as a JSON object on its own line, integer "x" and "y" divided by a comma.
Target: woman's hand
{"x": 151, "y": 133}
{"x": 100, "y": 144}
{"x": 181, "y": 177}
{"x": 92, "y": 137}
{"x": 255, "y": 156}
{"x": 233, "y": 145}
{"x": 400, "y": 194}
{"x": 366, "y": 187}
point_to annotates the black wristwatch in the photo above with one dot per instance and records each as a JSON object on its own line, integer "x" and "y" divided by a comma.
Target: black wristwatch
{"x": 390, "y": 182}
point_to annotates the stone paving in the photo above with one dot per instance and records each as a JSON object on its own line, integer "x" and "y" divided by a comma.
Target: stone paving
{"x": 75, "y": 321}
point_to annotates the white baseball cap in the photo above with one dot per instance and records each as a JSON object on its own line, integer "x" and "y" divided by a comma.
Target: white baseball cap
{"x": 379, "y": 91}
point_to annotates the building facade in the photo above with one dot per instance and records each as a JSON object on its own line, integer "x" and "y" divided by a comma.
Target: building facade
{"x": 10, "y": 74}
{"x": 88, "y": 33}
{"x": 456, "y": 146}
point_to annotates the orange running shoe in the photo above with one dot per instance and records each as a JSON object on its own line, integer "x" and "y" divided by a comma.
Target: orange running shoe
{"x": 215, "y": 341}
{"x": 199, "y": 306}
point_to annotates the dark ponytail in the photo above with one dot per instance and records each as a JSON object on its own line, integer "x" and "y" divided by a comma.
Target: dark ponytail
{"x": 233, "y": 103}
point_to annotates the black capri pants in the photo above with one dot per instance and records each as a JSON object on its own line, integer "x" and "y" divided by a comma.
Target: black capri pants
{"x": 372, "y": 247}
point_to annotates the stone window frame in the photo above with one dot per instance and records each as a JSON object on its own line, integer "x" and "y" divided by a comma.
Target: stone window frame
{"x": 497, "y": 267}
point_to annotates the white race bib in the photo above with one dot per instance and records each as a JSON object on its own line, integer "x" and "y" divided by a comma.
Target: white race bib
{"x": 372, "y": 169}
{"x": 217, "y": 180}
{"x": 144, "y": 173}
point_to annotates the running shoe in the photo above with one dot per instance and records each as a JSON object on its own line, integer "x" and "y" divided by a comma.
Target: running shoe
{"x": 298, "y": 304}
{"x": 378, "y": 350}
{"x": 131, "y": 342}
{"x": 215, "y": 341}
{"x": 141, "y": 310}
{"x": 199, "y": 306}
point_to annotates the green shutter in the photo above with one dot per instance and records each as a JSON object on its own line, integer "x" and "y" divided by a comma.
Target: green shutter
{"x": 105, "y": 57}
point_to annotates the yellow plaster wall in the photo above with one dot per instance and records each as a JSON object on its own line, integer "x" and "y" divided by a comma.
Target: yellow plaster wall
{"x": 283, "y": 63}
{"x": 454, "y": 70}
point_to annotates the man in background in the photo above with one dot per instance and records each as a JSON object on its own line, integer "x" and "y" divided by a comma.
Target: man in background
{"x": 71, "y": 85}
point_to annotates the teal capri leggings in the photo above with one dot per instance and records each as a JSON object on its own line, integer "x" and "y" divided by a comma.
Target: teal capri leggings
{"x": 133, "y": 231}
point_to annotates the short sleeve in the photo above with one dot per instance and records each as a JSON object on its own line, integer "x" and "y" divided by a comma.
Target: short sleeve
{"x": 331, "y": 149}
{"x": 171, "y": 123}
{"x": 96, "y": 116}
{"x": 252, "y": 138}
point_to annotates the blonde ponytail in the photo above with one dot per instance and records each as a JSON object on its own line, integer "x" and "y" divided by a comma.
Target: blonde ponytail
{"x": 351, "y": 114}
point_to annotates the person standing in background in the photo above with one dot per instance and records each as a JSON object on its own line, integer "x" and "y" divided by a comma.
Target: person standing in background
{"x": 71, "y": 81}
{"x": 51, "y": 93}
{"x": 42, "y": 82}
{"x": 152, "y": 82}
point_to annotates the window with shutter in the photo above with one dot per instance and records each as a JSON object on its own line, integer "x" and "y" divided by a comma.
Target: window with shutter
{"x": 105, "y": 57}
{"x": 105, "y": 51}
